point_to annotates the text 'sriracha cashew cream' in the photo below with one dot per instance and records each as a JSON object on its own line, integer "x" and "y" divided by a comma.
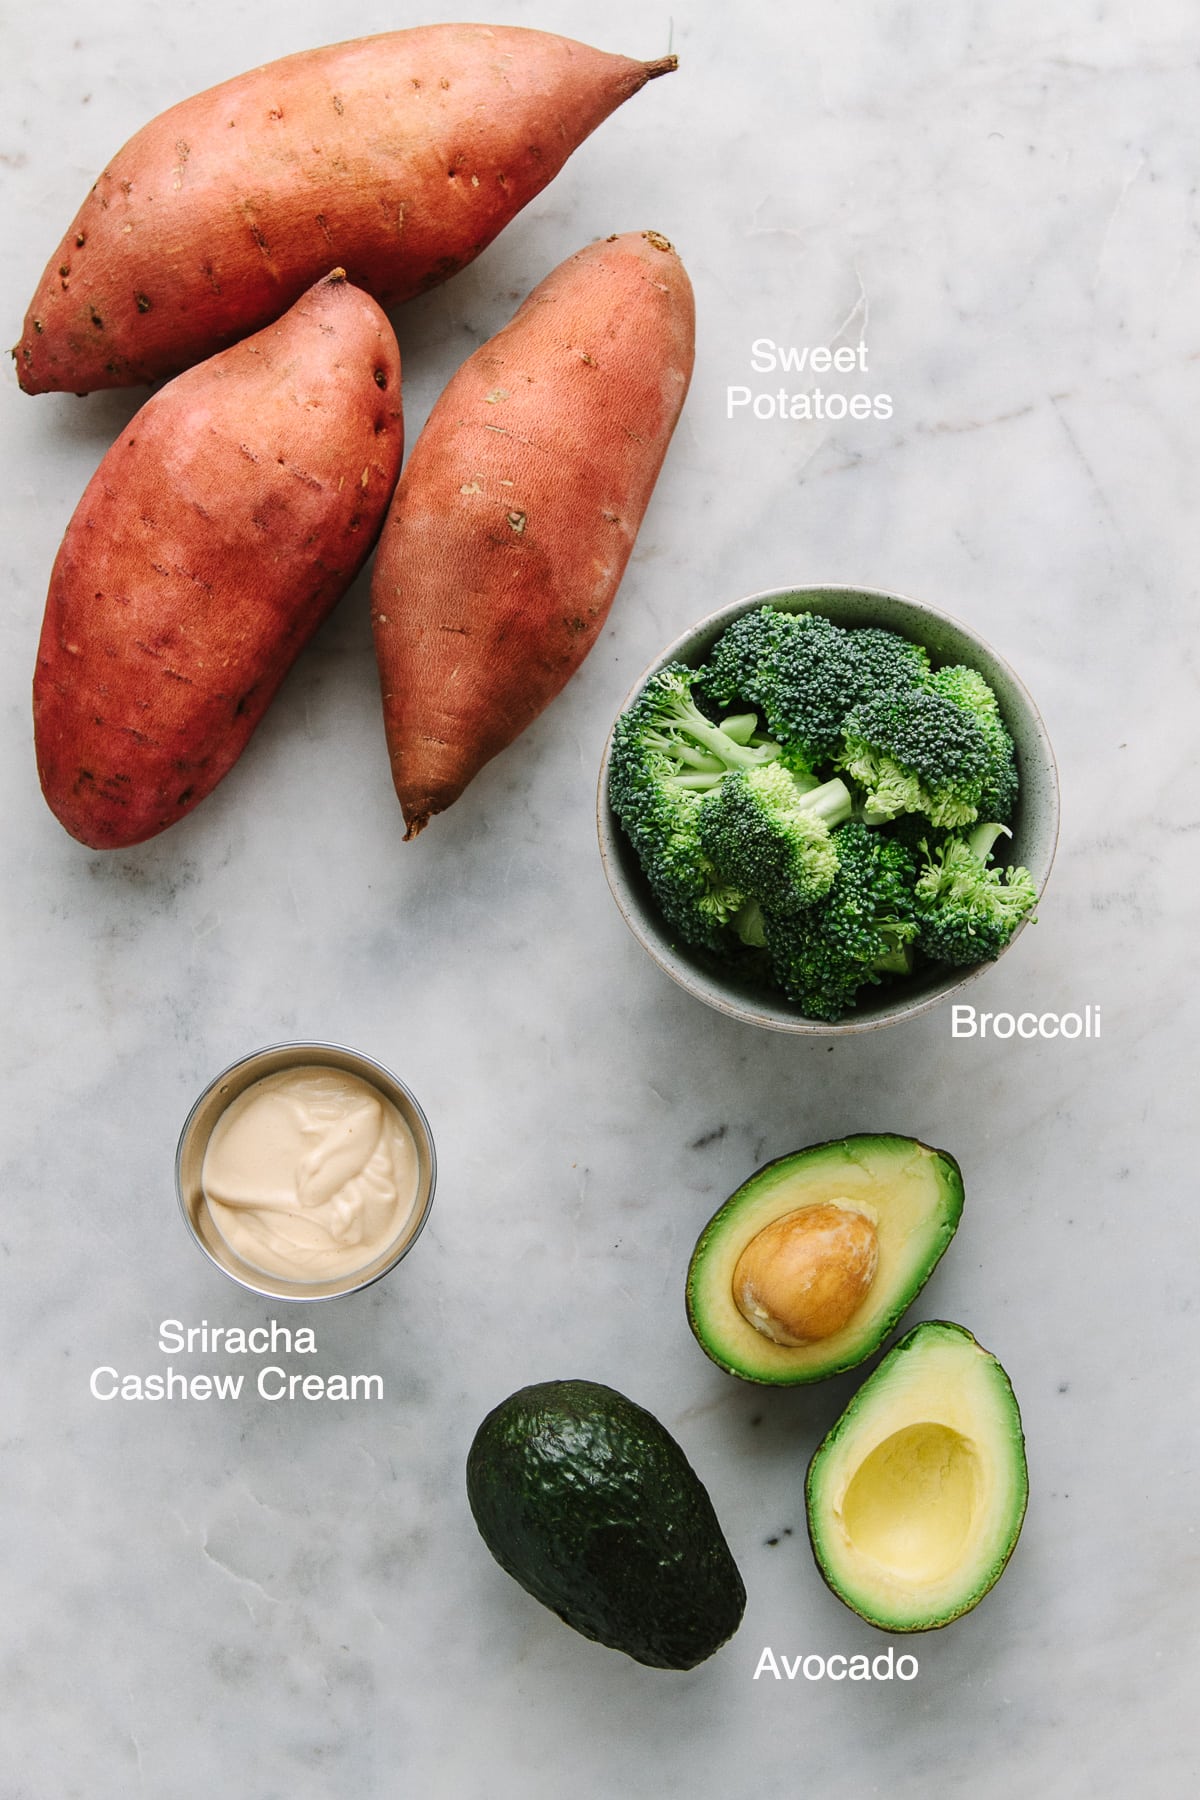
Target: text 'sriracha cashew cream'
{"x": 305, "y": 1171}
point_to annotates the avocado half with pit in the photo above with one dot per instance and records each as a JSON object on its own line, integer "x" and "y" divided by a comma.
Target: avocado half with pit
{"x": 916, "y": 1497}
{"x": 807, "y": 1267}
{"x": 587, "y": 1501}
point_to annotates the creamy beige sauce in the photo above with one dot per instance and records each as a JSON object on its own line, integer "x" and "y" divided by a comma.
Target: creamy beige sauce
{"x": 310, "y": 1173}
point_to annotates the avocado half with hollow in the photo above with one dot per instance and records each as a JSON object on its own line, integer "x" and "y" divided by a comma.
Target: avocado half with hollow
{"x": 588, "y": 1502}
{"x": 916, "y": 1497}
{"x": 807, "y": 1267}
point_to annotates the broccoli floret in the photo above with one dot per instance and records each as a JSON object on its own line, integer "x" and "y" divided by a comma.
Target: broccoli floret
{"x": 667, "y": 762}
{"x": 744, "y": 650}
{"x": 665, "y": 832}
{"x": 798, "y": 669}
{"x": 861, "y": 931}
{"x": 916, "y": 751}
{"x": 967, "y": 689}
{"x": 665, "y": 717}
{"x": 769, "y": 835}
{"x": 887, "y": 662}
{"x": 967, "y": 912}
{"x": 805, "y": 674}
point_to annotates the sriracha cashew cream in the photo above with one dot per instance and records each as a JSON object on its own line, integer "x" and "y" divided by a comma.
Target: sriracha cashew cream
{"x": 310, "y": 1173}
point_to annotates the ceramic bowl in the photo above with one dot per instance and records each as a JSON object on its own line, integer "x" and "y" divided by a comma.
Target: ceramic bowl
{"x": 1034, "y": 828}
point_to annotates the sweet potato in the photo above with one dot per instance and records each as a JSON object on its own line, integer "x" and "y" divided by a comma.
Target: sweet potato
{"x": 215, "y": 536}
{"x": 515, "y": 517}
{"x": 399, "y": 157}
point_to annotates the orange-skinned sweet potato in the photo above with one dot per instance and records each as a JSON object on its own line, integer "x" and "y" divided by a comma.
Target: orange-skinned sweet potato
{"x": 516, "y": 514}
{"x": 217, "y": 533}
{"x": 399, "y": 157}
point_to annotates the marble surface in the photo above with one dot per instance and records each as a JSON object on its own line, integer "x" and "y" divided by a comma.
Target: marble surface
{"x": 290, "y": 1599}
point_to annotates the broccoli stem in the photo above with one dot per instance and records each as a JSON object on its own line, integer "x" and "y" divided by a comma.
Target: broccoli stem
{"x": 832, "y": 802}
{"x": 702, "y": 760}
{"x": 687, "y": 717}
{"x": 750, "y": 926}
{"x": 897, "y": 960}
{"x": 981, "y": 841}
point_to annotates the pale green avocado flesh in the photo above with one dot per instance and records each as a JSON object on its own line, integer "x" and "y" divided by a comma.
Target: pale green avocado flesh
{"x": 916, "y": 1497}
{"x": 913, "y": 1195}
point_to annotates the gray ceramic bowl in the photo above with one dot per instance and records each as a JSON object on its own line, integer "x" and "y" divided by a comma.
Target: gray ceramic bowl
{"x": 1035, "y": 828}
{"x": 221, "y": 1092}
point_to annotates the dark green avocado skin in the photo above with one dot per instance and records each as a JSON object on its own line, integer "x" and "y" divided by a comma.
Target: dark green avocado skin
{"x": 591, "y": 1505}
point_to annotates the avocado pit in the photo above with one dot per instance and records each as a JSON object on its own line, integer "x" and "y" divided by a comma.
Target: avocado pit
{"x": 805, "y": 1275}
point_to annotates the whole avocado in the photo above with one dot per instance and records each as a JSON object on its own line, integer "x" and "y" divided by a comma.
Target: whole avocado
{"x": 585, "y": 1499}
